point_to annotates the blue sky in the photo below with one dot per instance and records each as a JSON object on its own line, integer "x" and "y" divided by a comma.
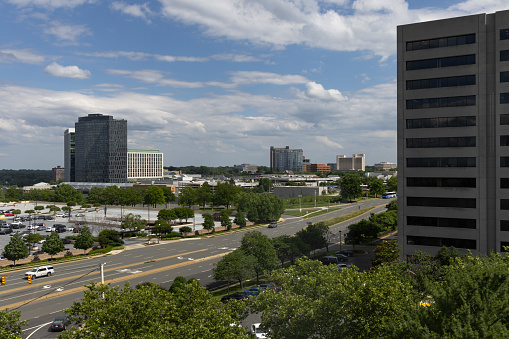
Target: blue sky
{"x": 212, "y": 83}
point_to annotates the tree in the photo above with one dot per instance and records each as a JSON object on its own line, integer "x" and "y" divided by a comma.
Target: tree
{"x": 225, "y": 218}
{"x": 189, "y": 197}
{"x": 350, "y": 187}
{"x": 84, "y": 239}
{"x": 236, "y": 265}
{"x": 208, "y": 221}
{"x": 225, "y": 194}
{"x": 168, "y": 215}
{"x": 32, "y": 238}
{"x": 392, "y": 184}
{"x": 258, "y": 245}
{"x": 316, "y": 301}
{"x": 53, "y": 244}
{"x": 314, "y": 236}
{"x": 16, "y": 249}
{"x": 178, "y": 283}
{"x": 376, "y": 187}
{"x": 39, "y": 208}
{"x": 152, "y": 312}
{"x": 240, "y": 219}
{"x": 393, "y": 205}
{"x": 109, "y": 238}
{"x": 168, "y": 195}
{"x": 386, "y": 252}
{"x": 10, "y": 323}
{"x": 66, "y": 193}
{"x": 185, "y": 229}
{"x": 13, "y": 193}
{"x": 133, "y": 222}
{"x": 260, "y": 207}
{"x": 203, "y": 194}
{"x": 265, "y": 184}
{"x": 164, "y": 226}
{"x": 154, "y": 196}
{"x": 289, "y": 248}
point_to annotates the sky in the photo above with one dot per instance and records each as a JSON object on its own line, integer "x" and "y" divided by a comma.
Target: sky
{"x": 212, "y": 83}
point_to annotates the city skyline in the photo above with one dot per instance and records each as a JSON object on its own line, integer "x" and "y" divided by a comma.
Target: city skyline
{"x": 207, "y": 85}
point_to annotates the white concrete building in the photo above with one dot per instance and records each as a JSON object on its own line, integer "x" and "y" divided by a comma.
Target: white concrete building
{"x": 144, "y": 164}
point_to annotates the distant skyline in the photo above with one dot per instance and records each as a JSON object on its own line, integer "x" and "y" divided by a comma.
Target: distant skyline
{"x": 208, "y": 83}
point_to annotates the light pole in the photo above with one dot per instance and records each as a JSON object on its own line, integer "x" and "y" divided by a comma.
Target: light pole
{"x": 340, "y": 240}
{"x": 300, "y": 206}
{"x": 315, "y": 199}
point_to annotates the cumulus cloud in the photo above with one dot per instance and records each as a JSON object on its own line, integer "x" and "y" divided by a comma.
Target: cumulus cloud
{"x": 255, "y": 77}
{"x": 316, "y": 91}
{"x": 20, "y": 55}
{"x": 139, "y": 11}
{"x": 52, "y": 4}
{"x": 67, "y": 71}
{"x": 324, "y": 140}
{"x": 67, "y": 33}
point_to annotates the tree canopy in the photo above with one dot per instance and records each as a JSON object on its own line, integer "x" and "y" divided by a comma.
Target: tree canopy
{"x": 350, "y": 187}
{"x": 84, "y": 239}
{"x": 16, "y": 249}
{"x": 53, "y": 244}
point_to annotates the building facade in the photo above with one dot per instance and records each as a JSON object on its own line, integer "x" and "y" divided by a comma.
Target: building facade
{"x": 285, "y": 159}
{"x": 144, "y": 164}
{"x": 101, "y": 149}
{"x": 385, "y": 165}
{"x": 69, "y": 155}
{"x": 355, "y": 163}
{"x": 319, "y": 168}
{"x": 57, "y": 174}
{"x": 453, "y": 134}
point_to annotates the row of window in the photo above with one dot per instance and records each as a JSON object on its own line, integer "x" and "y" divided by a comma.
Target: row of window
{"x": 466, "y": 100}
{"x": 463, "y": 80}
{"x": 441, "y": 42}
{"x": 441, "y": 222}
{"x": 441, "y": 182}
{"x": 462, "y": 121}
{"x": 441, "y": 62}
{"x": 442, "y": 202}
{"x": 440, "y": 142}
{"x": 440, "y": 242}
{"x": 442, "y": 162}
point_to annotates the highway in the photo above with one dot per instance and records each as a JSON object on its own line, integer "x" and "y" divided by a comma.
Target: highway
{"x": 47, "y": 297}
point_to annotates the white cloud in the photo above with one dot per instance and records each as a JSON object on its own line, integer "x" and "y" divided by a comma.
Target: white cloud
{"x": 21, "y": 55}
{"x": 316, "y": 91}
{"x": 324, "y": 140}
{"x": 139, "y": 11}
{"x": 66, "y": 33}
{"x": 50, "y": 3}
{"x": 255, "y": 77}
{"x": 67, "y": 71}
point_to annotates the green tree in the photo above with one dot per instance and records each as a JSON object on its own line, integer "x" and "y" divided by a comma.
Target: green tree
{"x": 225, "y": 194}
{"x": 16, "y": 249}
{"x": 151, "y": 312}
{"x": 376, "y": 187}
{"x": 189, "y": 197}
{"x": 13, "y": 193}
{"x": 235, "y": 266}
{"x": 314, "y": 236}
{"x": 204, "y": 194}
{"x": 386, "y": 252}
{"x": 240, "y": 219}
{"x": 169, "y": 196}
{"x": 11, "y": 324}
{"x": 260, "y": 207}
{"x": 258, "y": 245}
{"x": 33, "y": 238}
{"x": 84, "y": 239}
{"x": 53, "y": 244}
{"x": 350, "y": 187}
{"x": 168, "y": 215}
{"x": 208, "y": 221}
{"x": 133, "y": 222}
{"x": 109, "y": 238}
{"x": 393, "y": 205}
{"x": 185, "y": 229}
{"x": 289, "y": 248}
{"x": 66, "y": 193}
{"x": 178, "y": 284}
{"x": 154, "y": 196}
{"x": 265, "y": 184}
{"x": 164, "y": 226}
{"x": 39, "y": 208}
{"x": 112, "y": 195}
{"x": 392, "y": 184}
{"x": 96, "y": 195}
{"x": 225, "y": 218}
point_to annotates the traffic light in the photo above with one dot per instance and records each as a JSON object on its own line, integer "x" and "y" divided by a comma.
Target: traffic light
{"x": 30, "y": 279}
{"x": 3, "y": 279}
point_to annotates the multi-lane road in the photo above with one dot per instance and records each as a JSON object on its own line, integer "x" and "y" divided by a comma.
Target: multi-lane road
{"x": 47, "y": 297}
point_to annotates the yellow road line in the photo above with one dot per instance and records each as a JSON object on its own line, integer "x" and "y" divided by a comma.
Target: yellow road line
{"x": 115, "y": 280}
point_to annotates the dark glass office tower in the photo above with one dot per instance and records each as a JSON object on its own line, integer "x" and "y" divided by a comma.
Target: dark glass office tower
{"x": 101, "y": 149}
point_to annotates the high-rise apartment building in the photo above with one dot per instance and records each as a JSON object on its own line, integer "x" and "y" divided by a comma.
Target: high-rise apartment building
{"x": 144, "y": 164}
{"x": 453, "y": 134}
{"x": 355, "y": 163}
{"x": 285, "y": 159}
{"x": 101, "y": 149}
{"x": 69, "y": 155}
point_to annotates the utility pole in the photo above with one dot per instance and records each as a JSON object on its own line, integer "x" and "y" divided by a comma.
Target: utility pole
{"x": 102, "y": 276}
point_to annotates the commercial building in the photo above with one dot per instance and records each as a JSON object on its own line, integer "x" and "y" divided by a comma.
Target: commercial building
{"x": 285, "y": 159}
{"x": 319, "y": 168}
{"x": 69, "y": 155}
{"x": 100, "y": 149}
{"x": 453, "y": 134}
{"x": 355, "y": 163}
{"x": 385, "y": 165}
{"x": 144, "y": 164}
{"x": 57, "y": 174}
{"x": 247, "y": 168}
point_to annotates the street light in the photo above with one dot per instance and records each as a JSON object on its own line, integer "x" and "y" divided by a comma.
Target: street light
{"x": 340, "y": 240}
{"x": 300, "y": 206}
{"x": 315, "y": 198}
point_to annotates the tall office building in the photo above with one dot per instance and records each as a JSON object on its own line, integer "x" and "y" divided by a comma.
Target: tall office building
{"x": 285, "y": 159}
{"x": 453, "y": 134}
{"x": 144, "y": 164}
{"x": 355, "y": 163}
{"x": 69, "y": 155}
{"x": 101, "y": 149}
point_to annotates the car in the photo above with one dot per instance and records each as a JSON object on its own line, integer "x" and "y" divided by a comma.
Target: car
{"x": 6, "y": 231}
{"x": 342, "y": 266}
{"x": 59, "y": 324}
{"x": 77, "y": 229}
{"x": 31, "y": 227}
{"x": 39, "y": 224}
{"x": 236, "y": 296}
{"x": 59, "y": 228}
{"x": 60, "y": 215}
{"x": 255, "y": 290}
{"x": 341, "y": 257}
{"x": 79, "y": 215}
{"x": 70, "y": 229}
{"x": 255, "y": 329}
{"x": 8, "y": 215}
{"x": 41, "y": 241}
{"x": 41, "y": 228}
{"x": 329, "y": 259}
{"x": 3, "y": 258}
{"x": 48, "y": 217}
{"x": 41, "y": 271}
{"x": 50, "y": 229}
{"x": 273, "y": 224}
{"x": 269, "y": 286}
{"x": 348, "y": 253}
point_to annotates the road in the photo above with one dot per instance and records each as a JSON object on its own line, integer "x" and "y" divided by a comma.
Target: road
{"x": 47, "y": 297}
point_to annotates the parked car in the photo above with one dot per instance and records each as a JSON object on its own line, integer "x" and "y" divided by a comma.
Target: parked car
{"x": 77, "y": 229}
{"x": 48, "y": 217}
{"x": 41, "y": 228}
{"x": 348, "y": 253}
{"x": 6, "y": 231}
{"x": 329, "y": 259}
{"x": 341, "y": 257}
{"x": 59, "y": 228}
{"x": 342, "y": 266}
{"x": 31, "y": 227}
{"x": 59, "y": 324}
{"x": 273, "y": 224}
{"x": 70, "y": 229}
{"x": 40, "y": 272}
{"x": 79, "y": 215}
{"x": 255, "y": 290}
{"x": 60, "y": 215}
{"x": 236, "y": 296}
{"x": 255, "y": 329}
{"x": 269, "y": 286}
{"x": 50, "y": 229}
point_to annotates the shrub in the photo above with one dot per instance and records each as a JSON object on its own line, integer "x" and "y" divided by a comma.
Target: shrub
{"x": 16, "y": 212}
{"x": 172, "y": 235}
{"x": 185, "y": 229}
{"x": 39, "y": 208}
{"x": 85, "y": 206}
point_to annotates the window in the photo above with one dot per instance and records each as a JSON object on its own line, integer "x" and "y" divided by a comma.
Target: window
{"x": 442, "y": 162}
{"x": 442, "y": 102}
{"x": 461, "y": 121}
{"x": 441, "y": 62}
{"x": 504, "y": 140}
{"x": 442, "y": 202}
{"x": 504, "y": 76}
{"x": 504, "y": 161}
{"x": 502, "y": 245}
{"x": 504, "y": 204}
{"x": 441, "y": 82}
{"x": 441, "y": 42}
{"x": 504, "y": 225}
{"x": 504, "y": 182}
{"x": 441, "y": 222}
{"x": 440, "y": 242}
{"x": 504, "y": 34}
{"x": 504, "y": 119}
{"x": 440, "y": 142}
{"x": 504, "y": 55}
{"x": 504, "y": 98}
{"x": 441, "y": 182}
